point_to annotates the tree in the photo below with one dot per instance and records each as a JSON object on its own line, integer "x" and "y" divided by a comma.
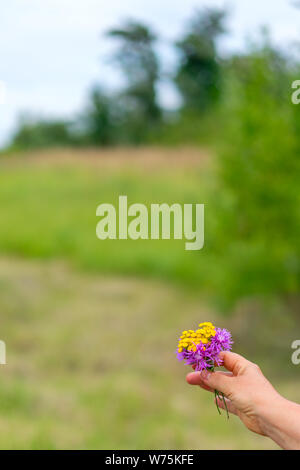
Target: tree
{"x": 259, "y": 167}
{"x": 38, "y": 132}
{"x": 199, "y": 73}
{"x": 98, "y": 121}
{"x": 139, "y": 64}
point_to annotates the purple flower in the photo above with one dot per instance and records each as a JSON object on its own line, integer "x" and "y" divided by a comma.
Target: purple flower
{"x": 206, "y": 355}
{"x": 223, "y": 339}
{"x": 201, "y": 348}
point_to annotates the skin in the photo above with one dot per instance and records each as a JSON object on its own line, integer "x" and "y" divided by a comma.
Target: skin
{"x": 251, "y": 397}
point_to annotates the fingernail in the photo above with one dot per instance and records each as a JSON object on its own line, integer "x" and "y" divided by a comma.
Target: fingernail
{"x": 205, "y": 374}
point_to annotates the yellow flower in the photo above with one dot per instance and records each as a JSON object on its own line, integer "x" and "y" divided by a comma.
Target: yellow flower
{"x": 190, "y": 338}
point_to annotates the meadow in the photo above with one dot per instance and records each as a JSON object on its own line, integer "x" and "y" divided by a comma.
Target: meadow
{"x": 91, "y": 326}
{"x": 49, "y": 206}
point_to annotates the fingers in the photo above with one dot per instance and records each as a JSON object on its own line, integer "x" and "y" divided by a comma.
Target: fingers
{"x": 230, "y": 406}
{"x": 234, "y": 362}
{"x": 201, "y": 379}
{"x": 218, "y": 381}
{"x": 223, "y": 382}
{"x": 196, "y": 378}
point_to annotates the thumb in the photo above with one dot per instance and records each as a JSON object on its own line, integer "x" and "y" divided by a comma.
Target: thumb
{"x": 217, "y": 381}
{"x": 234, "y": 362}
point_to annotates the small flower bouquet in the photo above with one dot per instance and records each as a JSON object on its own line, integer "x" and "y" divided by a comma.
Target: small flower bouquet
{"x": 201, "y": 349}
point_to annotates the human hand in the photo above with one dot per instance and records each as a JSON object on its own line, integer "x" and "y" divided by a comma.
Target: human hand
{"x": 246, "y": 389}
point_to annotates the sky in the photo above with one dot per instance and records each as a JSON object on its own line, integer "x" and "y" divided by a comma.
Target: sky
{"x": 52, "y": 51}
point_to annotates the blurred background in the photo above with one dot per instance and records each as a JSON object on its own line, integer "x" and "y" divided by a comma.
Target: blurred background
{"x": 169, "y": 101}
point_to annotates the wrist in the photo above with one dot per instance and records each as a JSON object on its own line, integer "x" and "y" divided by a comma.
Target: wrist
{"x": 279, "y": 420}
{"x": 268, "y": 413}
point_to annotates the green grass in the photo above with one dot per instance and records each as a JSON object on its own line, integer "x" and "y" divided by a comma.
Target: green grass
{"x": 50, "y": 212}
{"x": 91, "y": 364}
{"x": 91, "y": 326}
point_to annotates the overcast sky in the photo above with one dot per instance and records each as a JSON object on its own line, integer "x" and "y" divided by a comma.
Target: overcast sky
{"x": 51, "y": 51}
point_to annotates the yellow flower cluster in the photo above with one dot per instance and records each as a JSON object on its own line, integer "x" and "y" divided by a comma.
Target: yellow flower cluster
{"x": 190, "y": 338}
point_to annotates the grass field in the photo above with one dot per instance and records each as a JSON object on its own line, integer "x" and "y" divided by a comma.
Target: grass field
{"x": 91, "y": 364}
{"x": 91, "y": 327}
{"x": 48, "y": 207}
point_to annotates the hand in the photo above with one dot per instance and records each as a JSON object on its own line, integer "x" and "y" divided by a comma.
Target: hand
{"x": 246, "y": 389}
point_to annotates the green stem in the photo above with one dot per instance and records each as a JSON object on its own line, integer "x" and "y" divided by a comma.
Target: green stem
{"x": 212, "y": 368}
{"x": 225, "y": 404}
{"x": 216, "y": 398}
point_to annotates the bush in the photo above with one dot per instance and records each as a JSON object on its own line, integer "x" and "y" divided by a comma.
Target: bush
{"x": 41, "y": 133}
{"x": 259, "y": 228}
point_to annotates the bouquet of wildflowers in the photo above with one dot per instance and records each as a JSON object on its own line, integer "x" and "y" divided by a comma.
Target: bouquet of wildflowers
{"x": 201, "y": 349}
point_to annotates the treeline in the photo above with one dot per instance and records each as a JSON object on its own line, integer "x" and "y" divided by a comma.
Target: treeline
{"x": 134, "y": 114}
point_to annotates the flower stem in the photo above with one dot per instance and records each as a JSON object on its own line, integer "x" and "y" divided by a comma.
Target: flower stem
{"x": 216, "y": 398}
{"x": 225, "y": 404}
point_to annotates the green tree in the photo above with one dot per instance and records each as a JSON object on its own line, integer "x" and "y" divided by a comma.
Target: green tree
{"x": 138, "y": 61}
{"x": 199, "y": 72}
{"x": 259, "y": 171}
{"x": 98, "y": 122}
{"x": 34, "y": 133}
